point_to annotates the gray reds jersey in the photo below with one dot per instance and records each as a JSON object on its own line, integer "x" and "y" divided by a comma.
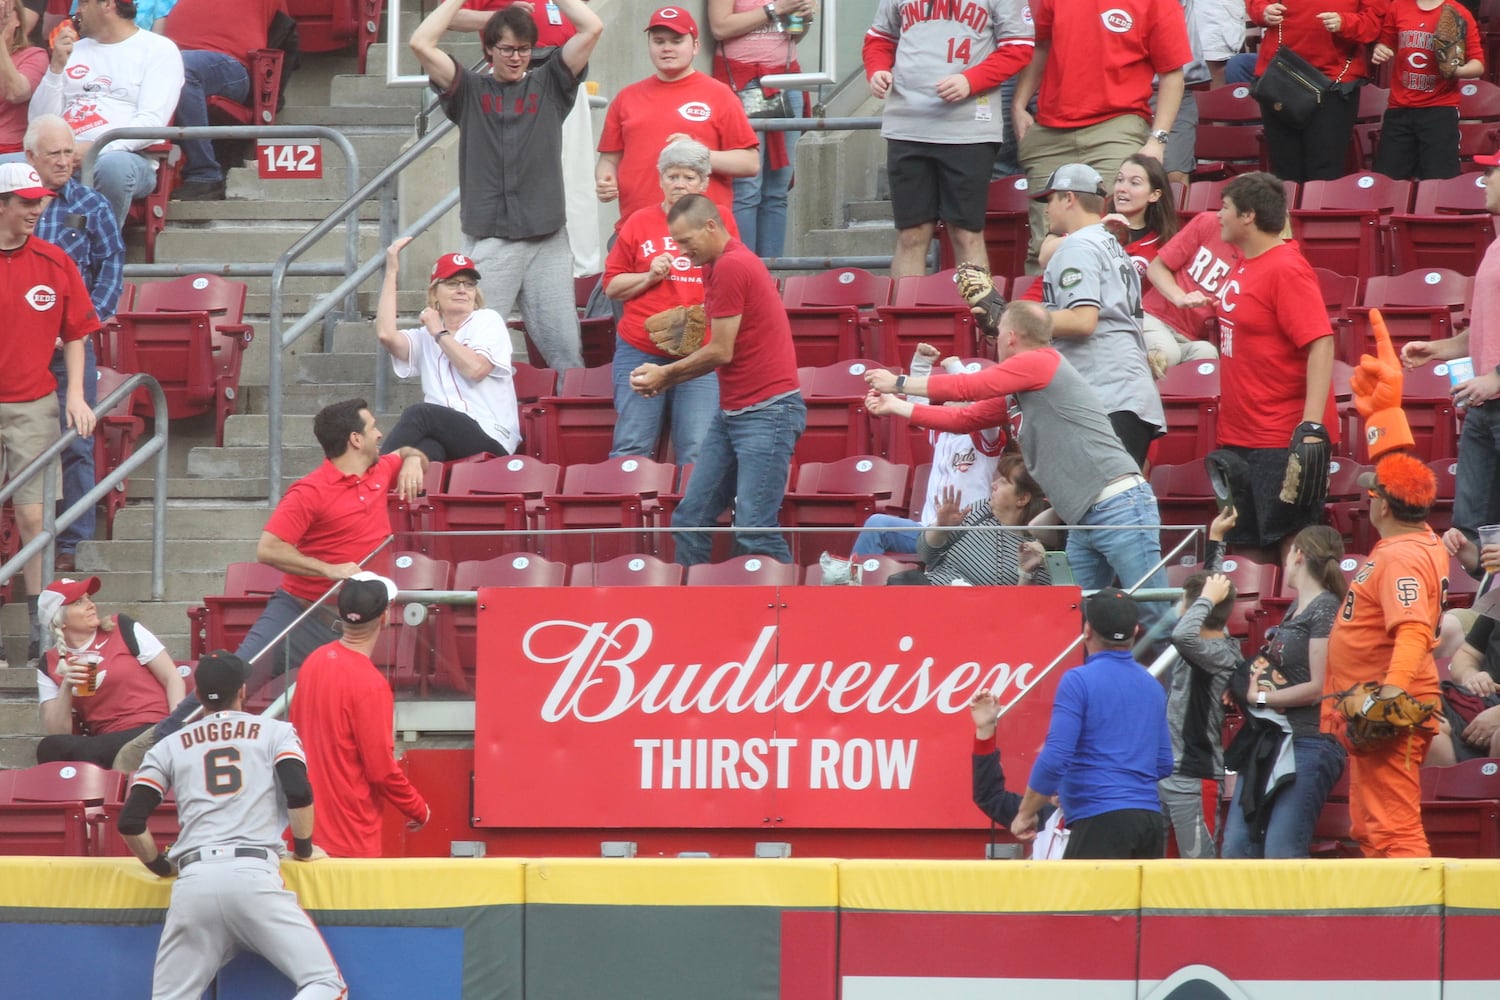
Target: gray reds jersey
{"x": 222, "y": 770}
{"x": 938, "y": 38}
{"x": 1091, "y": 268}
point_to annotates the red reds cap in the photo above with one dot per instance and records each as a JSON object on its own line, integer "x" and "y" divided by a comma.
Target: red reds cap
{"x": 450, "y": 264}
{"x": 674, "y": 19}
{"x": 19, "y": 178}
{"x": 1488, "y": 159}
{"x": 61, "y": 593}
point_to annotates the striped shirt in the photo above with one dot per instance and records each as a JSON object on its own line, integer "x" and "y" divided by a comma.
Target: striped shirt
{"x": 982, "y": 558}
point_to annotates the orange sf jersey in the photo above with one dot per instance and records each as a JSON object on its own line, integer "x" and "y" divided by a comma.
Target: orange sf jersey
{"x": 1405, "y": 579}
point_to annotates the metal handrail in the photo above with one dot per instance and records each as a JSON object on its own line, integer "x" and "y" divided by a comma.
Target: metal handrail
{"x": 155, "y": 447}
{"x": 356, "y": 277}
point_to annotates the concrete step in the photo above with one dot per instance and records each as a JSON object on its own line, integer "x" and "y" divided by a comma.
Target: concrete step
{"x": 854, "y": 241}
{"x": 194, "y": 487}
{"x": 296, "y": 429}
{"x": 409, "y": 301}
{"x": 311, "y": 211}
{"x": 372, "y": 91}
{"x": 21, "y": 718}
{"x": 868, "y": 212}
{"x": 111, "y": 557}
{"x": 355, "y": 117}
{"x": 184, "y": 585}
{"x": 208, "y": 522}
{"x": 246, "y": 183}
{"x": 240, "y": 462}
{"x": 18, "y": 751}
{"x": 17, "y": 682}
{"x": 353, "y": 366}
{"x": 226, "y": 241}
{"x": 307, "y": 398}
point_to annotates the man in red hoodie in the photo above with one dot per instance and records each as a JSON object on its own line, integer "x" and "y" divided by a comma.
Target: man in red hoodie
{"x": 345, "y": 714}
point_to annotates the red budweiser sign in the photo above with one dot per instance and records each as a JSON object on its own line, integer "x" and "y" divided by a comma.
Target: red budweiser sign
{"x": 837, "y": 707}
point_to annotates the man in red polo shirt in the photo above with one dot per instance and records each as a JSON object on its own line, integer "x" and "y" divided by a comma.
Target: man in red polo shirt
{"x": 330, "y": 522}
{"x": 344, "y": 713}
{"x": 45, "y": 302}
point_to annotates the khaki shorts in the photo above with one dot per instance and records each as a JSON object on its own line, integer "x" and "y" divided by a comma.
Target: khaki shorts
{"x": 26, "y": 430}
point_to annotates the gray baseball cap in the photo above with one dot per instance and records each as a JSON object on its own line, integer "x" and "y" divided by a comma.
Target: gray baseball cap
{"x": 1080, "y": 178}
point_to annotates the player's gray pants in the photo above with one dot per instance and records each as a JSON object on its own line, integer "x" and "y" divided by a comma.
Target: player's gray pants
{"x": 1182, "y": 801}
{"x": 538, "y": 275}
{"x": 220, "y": 908}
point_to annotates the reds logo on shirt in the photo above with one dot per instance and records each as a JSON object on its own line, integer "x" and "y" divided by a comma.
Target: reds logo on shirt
{"x": 77, "y": 71}
{"x": 1418, "y": 60}
{"x": 1117, "y": 20}
{"x": 696, "y": 111}
{"x": 41, "y": 298}
{"x": 681, "y": 264}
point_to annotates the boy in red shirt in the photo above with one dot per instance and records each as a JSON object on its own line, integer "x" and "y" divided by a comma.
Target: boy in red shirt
{"x": 1419, "y": 134}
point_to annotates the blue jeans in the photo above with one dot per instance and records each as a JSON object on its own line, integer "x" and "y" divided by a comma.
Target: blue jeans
{"x": 1240, "y": 68}
{"x": 122, "y": 177}
{"x": 760, "y": 199}
{"x": 875, "y": 539}
{"x": 207, "y": 74}
{"x": 1097, "y": 557}
{"x": 743, "y": 460}
{"x": 693, "y": 405}
{"x": 1294, "y": 810}
{"x": 1477, "y": 489}
{"x": 78, "y": 459}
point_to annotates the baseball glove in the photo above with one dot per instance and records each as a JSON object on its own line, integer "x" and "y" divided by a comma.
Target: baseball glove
{"x": 1373, "y": 720}
{"x": 1448, "y": 41}
{"x": 678, "y": 331}
{"x": 978, "y": 291}
{"x": 1305, "y": 484}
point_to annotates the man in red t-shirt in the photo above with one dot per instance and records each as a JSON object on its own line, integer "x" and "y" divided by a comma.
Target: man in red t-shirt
{"x": 216, "y": 46}
{"x": 1088, "y": 116}
{"x": 327, "y": 525}
{"x": 746, "y": 454}
{"x": 678, "y": 102}
{"x": 344, "y": 713}
{"x": 45, "y": 301}
{"x": 1276, "y": 377}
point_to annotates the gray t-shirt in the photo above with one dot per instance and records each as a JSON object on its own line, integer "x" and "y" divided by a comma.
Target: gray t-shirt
{"x": 510, "y": 149}
{"x": 1091, "y": 268}
{"x": 938, "y": 38}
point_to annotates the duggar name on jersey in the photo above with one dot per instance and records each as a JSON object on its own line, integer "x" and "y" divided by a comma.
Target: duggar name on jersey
{"x": 218, "y": 732}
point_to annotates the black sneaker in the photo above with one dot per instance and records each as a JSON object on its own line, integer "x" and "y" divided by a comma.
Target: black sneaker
{"x": 199, "y": 191}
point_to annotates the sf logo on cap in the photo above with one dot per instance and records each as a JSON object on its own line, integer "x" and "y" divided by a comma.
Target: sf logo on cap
{"x": 41, "y": 298}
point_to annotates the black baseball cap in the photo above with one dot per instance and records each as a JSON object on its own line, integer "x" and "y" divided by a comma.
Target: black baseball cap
{"x": 1113, "y": 614}
{"x": 364, "y": 597}
{"x": 219, "y": 677}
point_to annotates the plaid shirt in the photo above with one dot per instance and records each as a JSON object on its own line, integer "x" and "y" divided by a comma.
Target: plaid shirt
{"x": 82, "y": 224}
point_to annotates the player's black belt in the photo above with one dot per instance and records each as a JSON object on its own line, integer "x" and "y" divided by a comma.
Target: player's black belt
{"x": 192, "y": 857}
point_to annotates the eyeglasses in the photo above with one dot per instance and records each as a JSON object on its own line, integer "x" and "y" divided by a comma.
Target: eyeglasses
{"x": 455, "y": 283}
{"x": 509, "y": 51}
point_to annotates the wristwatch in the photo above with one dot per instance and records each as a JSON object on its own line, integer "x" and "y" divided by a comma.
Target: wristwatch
{"x": 900, "y": 383}
{"x": 1260, "y": 699}
{"x": 441, "y": 334}
{"x": 1161, "y": 135}
{"x": 770, "y": 10}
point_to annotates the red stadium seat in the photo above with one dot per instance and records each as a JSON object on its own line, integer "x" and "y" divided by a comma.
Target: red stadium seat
{"x": 1007, "y": 228}
{"x": 1448, "y": 226}
{"x": 873, "y": 571}
{"x": 335, "y": 25}
{"x": 1338, "y": 223}
{"x": 1225, "y": 150}
{"x": 743, "y": 571}
{"x": 411, "y": 654}
{"x": 838, "y": 495}
{"x": 518, "y": 569}
{"x": 497, "y": 494}
{"x": 1183, "y": 494}
{"x": 1190, "y": 400}
{"x": 53, "y": 804}
{"x": 627, "y": 571}
{"x": 1417, "y": 305}
{"x": 837, "y": 422}
{"x": 578, "y": 424}
{"x": 224, "y": 619}
{"x": 115, "y": 438}
{"x": 832, "y": 312}
{"x": 150, "y": 211}
{"x": 623, "y": 492}
{"x": 1340, "y": 293}
{"x": 265, "y": 93}
{"x": 1251, "y": 580}
{"x": 927, "y": 309}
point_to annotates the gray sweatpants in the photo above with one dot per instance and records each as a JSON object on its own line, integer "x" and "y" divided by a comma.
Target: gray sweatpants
{"x": 220, "y": 908}
{"x": 1182, "y": 801}
{"x": 537, "y": 275}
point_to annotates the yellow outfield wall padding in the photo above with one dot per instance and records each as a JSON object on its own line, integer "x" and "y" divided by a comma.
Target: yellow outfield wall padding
{"x": 1472, "y": 885}
{"x": 1283, "y": 886}
{"x": 81, "y": 884}
{"x": 391, "y": 884}
{"x": 991, "y": 886}
{"x": 787, "y": 882}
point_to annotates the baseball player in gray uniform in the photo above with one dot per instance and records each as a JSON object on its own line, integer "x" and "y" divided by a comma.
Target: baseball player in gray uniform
{"x": 238, "y": 779}
{"x": 1094, "y": 292}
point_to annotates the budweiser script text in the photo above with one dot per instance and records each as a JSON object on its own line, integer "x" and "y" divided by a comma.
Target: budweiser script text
{"x": 606, "y": 672}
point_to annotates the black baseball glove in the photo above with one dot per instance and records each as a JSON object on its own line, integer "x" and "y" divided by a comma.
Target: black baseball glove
{"x": 1305, "y": 484}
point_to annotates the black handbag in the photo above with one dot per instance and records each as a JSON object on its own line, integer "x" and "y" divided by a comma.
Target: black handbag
{"x": 1292, "y": 88}
{"x": 753, "y": 95}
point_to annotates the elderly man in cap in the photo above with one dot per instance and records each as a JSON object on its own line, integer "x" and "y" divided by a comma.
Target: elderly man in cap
{"x": 1107, "y": 746}
{"x": 677, "y": 102}
{"x": 1094, "y": 293}
{"x": 45, "y": 303}
{"x": 344, "y": 712}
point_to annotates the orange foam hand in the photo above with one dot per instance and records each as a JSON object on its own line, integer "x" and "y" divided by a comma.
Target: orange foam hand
{"x": 1377, "y": 384}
